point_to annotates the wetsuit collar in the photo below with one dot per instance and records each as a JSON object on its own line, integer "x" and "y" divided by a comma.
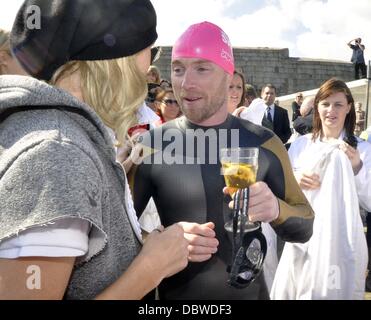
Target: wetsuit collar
{"x": 184, "y": 123}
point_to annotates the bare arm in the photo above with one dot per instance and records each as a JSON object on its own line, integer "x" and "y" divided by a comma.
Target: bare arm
{"x": 350, "y": 42}
{"x": 39, "y": 278}
{"x": 36, "y": 278}
{"x": 163, "y": 255}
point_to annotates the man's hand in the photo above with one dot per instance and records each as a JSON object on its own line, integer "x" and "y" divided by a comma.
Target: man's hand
{"x": 263, "y": 204}
{"x": 202, "y": 243}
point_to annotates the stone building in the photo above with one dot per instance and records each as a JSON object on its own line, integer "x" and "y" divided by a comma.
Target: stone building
{"x": 267, "y": 65}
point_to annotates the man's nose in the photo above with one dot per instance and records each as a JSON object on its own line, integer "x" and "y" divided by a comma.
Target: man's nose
{"x": 188, "y": 79}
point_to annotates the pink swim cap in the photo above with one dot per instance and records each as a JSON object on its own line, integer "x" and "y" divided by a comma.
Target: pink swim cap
{"x": 207, "y": 41}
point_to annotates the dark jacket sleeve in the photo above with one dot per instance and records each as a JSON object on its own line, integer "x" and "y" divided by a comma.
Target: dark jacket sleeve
{"x": 286, "y": 133}
{"x": 295, "y": 220}
{"x": 303, "y": 125}
{"x": 295, "y": 110}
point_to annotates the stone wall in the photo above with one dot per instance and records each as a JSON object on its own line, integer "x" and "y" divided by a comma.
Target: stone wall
{"x": 265, "y": 65}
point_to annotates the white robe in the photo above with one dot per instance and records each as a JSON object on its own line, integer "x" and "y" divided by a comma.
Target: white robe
{"x": 333, "y": 263}
{"x": 255, "y": 111}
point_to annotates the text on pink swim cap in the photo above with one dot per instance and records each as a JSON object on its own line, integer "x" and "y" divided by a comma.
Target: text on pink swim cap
{"x": 207, "y": 41}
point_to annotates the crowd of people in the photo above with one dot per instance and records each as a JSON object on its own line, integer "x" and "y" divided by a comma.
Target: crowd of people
{"x": 111, "y": 176}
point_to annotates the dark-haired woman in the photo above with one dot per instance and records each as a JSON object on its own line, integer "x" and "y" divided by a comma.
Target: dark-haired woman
{"x": 336, "y": 178}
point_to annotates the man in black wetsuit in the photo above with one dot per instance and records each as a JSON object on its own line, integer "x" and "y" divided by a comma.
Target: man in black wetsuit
{"x": 181, "y": 171}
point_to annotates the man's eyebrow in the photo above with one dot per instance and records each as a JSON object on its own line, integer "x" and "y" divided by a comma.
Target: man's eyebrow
{"x": 175, "y": 62}
{"x": 199, "y": 61}
{"x": 202, "y": 61}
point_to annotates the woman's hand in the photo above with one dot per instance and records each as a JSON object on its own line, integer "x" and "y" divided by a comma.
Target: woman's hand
{"x": 353, "y": 156}
{"x": 130, "y": 153}
{"x": 238, "y": 111}
{"x": 166, "y": 252}
{"x": 308, "y": 180}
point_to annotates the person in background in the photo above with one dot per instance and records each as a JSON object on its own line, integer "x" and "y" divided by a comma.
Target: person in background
{"x": 165, "y": 84}
{"x": 153, "y": 75}
{"x": 275, "y": 118}
{"x": 360, "y": 119}
{"x": 202, "y": 69}
{"x": 8, "y": 65}
{"x": 333, "y": 168}
{"x": 236, "y": 96}
{"x": 64, "y": 199}
{"x": 304, "y": 123}
{"x": 366, "y": 135}
{"x": 153, "y": 90}
{"x": 167, "y": 106}
{"x": 295, "y": 106}
{"x": 254, "y": 108}
{"x": 250, "y": 94}
{"x": 358, "y": 58}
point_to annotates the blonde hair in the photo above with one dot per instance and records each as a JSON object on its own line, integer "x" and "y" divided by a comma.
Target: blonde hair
{"x": 156, "y": 72}
{"x": 115, "y": 89}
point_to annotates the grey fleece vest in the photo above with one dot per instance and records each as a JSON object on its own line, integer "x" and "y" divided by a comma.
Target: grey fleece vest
{"x": 60, "y": 162}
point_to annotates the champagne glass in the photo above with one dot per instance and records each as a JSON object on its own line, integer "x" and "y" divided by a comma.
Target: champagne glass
{"x": 239, "y": 167}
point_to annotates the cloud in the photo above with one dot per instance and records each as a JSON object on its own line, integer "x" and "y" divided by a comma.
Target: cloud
{"x": 262, "y": 28}
{"x": 309, "y": 28}
{"x": 8, "y": 12}
{"x": 331, "y": 25}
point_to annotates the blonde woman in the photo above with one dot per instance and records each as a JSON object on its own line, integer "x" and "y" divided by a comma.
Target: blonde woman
{"x": 153, "y": 75}
{"x": 8, "y": 65}
{"x": 64, "y": 204}
{"x": 99, "y": 84}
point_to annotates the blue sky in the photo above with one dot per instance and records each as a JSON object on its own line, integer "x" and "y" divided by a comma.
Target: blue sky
{"x": 309, "y": 28}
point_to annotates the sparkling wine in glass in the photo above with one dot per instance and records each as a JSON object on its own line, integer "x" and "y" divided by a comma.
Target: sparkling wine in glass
{"x": 239, "y": 168}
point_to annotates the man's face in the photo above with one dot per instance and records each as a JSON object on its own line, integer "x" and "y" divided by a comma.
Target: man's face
{"x": 299, "y": 99}
{"x": 268, "y": 95}
{"x": 201, "y": 89}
